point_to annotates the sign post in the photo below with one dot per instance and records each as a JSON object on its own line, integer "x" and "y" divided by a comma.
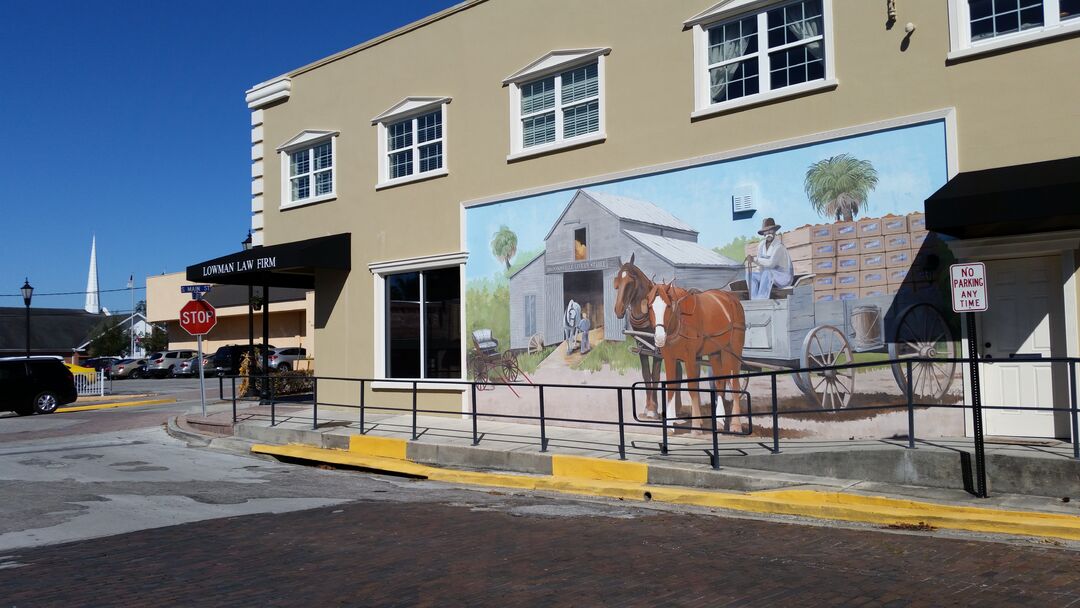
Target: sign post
{"x": 968, "y": 286}
{"x": 198, "y": 317}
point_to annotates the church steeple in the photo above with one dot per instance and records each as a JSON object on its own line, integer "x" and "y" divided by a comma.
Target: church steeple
{"x": 93, "y": 291}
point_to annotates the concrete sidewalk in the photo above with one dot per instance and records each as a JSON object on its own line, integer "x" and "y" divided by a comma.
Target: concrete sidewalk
{"x": 870, "y": 481}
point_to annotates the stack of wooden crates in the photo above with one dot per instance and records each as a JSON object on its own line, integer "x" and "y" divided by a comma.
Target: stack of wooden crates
{"x": 868, "y": 257}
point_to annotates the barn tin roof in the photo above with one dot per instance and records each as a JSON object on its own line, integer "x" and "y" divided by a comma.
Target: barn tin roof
{"x": 629, "y": 209}
{"x": 680, "y": 253}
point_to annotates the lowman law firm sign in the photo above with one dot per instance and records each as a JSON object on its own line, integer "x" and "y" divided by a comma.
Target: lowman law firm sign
{"x": 968, "y": 287}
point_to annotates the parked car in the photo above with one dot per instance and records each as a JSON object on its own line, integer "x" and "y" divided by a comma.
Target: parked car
{"x": 227, "y": 358}
{"x": 283, "y": 358}
{"x": 102, "y": 363}
{"x": 190, "y": 367}
{"x": 37, "y": 385}
{"x": 129, "y": 368}
{"x": 166, "y": 363}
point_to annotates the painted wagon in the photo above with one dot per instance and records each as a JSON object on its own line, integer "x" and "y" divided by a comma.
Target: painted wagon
{"x": 792, "y": 331}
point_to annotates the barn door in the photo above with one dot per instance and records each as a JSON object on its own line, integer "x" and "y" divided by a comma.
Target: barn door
{"x": 554, "y": 307}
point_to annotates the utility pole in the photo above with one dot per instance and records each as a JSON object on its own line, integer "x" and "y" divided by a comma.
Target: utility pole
{"x": 131, "y": 325}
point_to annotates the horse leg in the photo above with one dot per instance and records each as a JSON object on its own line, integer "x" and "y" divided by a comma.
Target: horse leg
{"x": 671, "y": 367}
{"x": 722, "y": 410}
{"x": 693, "y": 372}
{"x": 650, "y": 372}
{"x": 731, "y": 366}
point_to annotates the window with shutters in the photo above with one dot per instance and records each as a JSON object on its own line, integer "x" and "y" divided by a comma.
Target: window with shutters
{"x": 751, "y": 52}
{"x": 557, "y": 101}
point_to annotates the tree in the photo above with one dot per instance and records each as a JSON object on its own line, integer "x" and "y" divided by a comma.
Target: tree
{"x": 155, "y": 340}
{"x": 109, "y": 338}
{"x": 504, "y": 245}
{"x": 838, "y": 186}
{"x": 140, "y": 307}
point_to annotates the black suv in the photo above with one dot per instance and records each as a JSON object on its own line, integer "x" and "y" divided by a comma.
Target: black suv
{"x": 37, "y": 385}
{"x": 227, "y": 358}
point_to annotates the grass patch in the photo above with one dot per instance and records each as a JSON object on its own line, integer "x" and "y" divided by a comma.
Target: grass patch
{"x": 617, "y": 355}
{"x": 870, "y": 358}
{"x": 528, "y": 362}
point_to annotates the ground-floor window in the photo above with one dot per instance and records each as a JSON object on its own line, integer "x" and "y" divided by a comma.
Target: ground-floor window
{"x": 423, "y": 324}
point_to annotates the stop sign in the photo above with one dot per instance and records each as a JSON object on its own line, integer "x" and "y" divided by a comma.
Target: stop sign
{"x": 198, "y": 317}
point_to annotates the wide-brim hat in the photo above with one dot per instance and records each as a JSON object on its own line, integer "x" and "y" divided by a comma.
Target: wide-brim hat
{"x": 768, "y": 225}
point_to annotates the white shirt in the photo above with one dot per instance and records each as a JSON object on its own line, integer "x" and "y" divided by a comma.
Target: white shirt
{"x": 775, "y": 257}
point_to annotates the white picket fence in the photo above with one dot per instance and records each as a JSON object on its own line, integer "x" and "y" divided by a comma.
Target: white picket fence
{"x": 90, "y": 384}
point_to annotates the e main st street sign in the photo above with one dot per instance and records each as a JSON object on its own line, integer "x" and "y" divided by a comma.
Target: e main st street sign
{"x": 968, "y": 282}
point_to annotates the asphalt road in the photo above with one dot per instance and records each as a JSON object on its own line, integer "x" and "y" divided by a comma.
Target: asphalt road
{"x": 103, "y": 508}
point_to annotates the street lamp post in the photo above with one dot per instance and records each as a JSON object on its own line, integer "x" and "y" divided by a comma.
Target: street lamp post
{"x": 27, "y": 293}
{"x": 131, "y": 325}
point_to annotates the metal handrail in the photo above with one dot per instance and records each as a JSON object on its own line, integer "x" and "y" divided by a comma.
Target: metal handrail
{"x": 715, "y": 416}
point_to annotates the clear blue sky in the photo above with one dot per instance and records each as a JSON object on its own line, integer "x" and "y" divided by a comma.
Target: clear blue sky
{"x": 127, "y": 120}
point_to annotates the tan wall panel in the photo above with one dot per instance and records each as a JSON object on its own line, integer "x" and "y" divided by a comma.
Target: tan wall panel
{"x": 1013, "y": 107}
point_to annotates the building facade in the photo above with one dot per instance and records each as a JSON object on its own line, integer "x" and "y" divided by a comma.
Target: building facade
{"x": 719, "y": 115}
{"x": 290, "y": 314}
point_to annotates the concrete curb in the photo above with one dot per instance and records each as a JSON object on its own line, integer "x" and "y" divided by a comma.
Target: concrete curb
{"x": 174, "y": 430}
{"x": 630, "y": 481}
{"x": 106, "y": 406}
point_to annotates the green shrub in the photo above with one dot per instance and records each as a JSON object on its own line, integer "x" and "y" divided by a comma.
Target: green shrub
{"x": 615, "y": 354}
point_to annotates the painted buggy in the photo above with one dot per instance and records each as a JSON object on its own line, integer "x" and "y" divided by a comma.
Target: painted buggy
{"x": 487, "y": 363}
{"x": 792, "y": 331}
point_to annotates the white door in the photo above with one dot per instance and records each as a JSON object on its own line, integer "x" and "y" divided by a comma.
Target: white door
{"x": 1025, "y": 318}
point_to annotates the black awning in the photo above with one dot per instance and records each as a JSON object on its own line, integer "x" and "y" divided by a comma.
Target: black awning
{"x": 1020, "y": 199}
{"x": 285, "y": 265}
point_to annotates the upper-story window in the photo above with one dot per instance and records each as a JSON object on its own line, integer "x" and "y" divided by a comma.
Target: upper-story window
{"x": 747, "y": 52}
{"x": 307, "y": 168}
{"x": 557, "y": 101}
{"x": 984, "y": 25}
{"x": 412, "y": 140}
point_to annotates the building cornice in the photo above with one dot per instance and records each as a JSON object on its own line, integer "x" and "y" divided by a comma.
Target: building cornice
{"x": 266, "y": 93}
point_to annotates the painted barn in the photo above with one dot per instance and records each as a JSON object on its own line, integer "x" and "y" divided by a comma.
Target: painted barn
{"x": 583, "y": 250}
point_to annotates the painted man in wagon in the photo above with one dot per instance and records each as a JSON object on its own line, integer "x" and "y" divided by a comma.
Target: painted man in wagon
{"x": 771, "y": 267}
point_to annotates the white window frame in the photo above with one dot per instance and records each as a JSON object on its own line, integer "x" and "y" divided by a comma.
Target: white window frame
{"x": 411, "y": 108}
{"x": 379, "y": 272}
{"x": 554, "y": 64}
{"x": 961, "y": 46}
{"x": 308, "y": 140}
{"x": 740, "y": 9}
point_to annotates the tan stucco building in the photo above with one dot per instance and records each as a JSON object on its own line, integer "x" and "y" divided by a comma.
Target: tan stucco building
{"x": 397, "y": 143}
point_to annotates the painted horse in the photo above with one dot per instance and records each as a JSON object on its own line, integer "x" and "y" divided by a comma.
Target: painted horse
{"x": 632, "y": 289}
{"x": 693, "y": 324}
{"x": 571, "y": 320}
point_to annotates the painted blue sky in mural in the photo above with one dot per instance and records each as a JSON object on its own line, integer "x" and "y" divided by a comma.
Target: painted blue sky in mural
{"x": 911, "y": 165}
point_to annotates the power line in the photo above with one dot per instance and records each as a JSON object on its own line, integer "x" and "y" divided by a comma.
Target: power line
{"x": 72, "y": 293}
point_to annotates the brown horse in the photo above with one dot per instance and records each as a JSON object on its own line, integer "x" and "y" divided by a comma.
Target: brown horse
{"x": 690, "y": 325}
{"x": 632, "y": 289}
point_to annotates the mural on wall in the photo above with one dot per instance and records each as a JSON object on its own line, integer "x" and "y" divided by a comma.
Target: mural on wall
{"x": 795, "y": 259}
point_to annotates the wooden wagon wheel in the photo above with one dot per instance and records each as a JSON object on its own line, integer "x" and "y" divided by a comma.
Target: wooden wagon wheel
{"x": 481, "y": 369}
{"x": 923, "y": 333}
{"x": 511, "y": 372}
{"x": 825, "y": 347}
{"x": 536, "y": 343}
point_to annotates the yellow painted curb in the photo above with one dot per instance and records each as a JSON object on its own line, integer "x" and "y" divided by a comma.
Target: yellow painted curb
{"x": 106, "y": 406}
{"x": 383, "y": 447}
{"x": 806, "y": 503}
{"x": 580, "y": 467}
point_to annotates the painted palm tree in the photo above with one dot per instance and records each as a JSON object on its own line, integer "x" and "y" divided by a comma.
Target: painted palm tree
{"x": 838, "y": 186}
{"x": 504, "y": 245}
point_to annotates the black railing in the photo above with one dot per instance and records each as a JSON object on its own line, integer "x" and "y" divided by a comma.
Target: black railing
{"x": 712, "y": 424}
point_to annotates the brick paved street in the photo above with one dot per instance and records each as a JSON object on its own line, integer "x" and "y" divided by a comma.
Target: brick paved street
{"x": 500, "y": 550}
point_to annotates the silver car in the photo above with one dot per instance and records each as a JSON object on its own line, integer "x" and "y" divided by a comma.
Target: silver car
{"x": 283, "y": 359}
{"x": 166, "y": 363}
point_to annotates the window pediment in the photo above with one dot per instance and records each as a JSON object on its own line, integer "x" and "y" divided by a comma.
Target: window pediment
{"x": 409, "y": 105}
{"x": 306, "y": 137}
{"x": 554, "y": 61}
{"x": 723, "y": 9}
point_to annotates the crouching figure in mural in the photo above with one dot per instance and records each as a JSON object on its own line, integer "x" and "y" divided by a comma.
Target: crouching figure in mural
{"x": 771, "y": 267}
{"x": 571, "y": 324}
{"x": 691, "y": 325}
